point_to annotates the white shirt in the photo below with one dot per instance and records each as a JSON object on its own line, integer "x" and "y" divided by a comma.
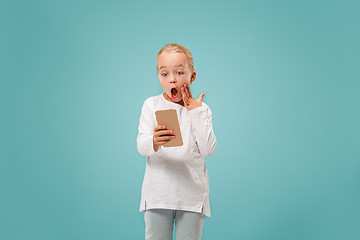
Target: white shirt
{"x": 176, "y": 177}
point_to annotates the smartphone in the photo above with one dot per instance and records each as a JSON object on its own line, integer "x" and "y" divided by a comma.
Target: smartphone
{"x": 170, "y": 119}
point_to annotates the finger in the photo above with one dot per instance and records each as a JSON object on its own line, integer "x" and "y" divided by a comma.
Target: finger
{"x": 188, "y": 87}
{"x": 162, "y": 143}
{"x": 159, "y": 127}
{"x": 187, "y": 91}
{"x": 156, "y": 134}
{"x": 166, "y": 132}
{"x": 201, "y": 97}
{"x": 163, "y": 132}
{"x": 183, "y": 92}
{"x": 165, "y": 138}
{"x": 186, "y": 100}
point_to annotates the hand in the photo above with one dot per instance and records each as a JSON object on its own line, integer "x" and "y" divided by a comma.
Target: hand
{"x": 190, "y": 102}
{"x": 161, "y": 136}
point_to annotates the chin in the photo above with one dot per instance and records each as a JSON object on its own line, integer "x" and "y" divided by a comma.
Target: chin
{"x": 177, "y": 99}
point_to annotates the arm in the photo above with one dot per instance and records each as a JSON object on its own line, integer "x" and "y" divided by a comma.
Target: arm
{"x": 145, "y": 144}
{"x": 201, "y": 119}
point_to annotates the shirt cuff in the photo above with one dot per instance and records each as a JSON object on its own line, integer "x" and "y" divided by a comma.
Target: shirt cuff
{"x": 196, "y": 112}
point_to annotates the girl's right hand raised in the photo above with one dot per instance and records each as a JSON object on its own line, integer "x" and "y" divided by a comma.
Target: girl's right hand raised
{"x": 161, "y": 136}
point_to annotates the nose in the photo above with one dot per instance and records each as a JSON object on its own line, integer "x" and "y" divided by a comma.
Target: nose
{"x": 172, "y": 79}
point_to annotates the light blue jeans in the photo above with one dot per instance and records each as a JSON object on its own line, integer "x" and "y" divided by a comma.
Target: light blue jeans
{"x": 159, "y": 224}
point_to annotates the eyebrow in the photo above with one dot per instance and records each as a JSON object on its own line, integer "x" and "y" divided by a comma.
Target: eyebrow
{"x": 174, "y": 66}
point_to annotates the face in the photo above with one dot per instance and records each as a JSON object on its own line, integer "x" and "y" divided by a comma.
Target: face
{"x": 173, "y": 73}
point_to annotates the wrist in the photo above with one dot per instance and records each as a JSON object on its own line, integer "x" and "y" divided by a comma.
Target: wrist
{"x": 193, "y": 107}
{"x": 194, "y": 104}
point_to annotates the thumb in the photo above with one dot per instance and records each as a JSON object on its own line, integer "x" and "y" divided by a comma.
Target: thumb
{"x": 201, "y": 97}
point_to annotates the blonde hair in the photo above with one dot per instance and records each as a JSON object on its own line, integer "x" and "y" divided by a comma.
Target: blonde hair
{"x": 177, "y": 48}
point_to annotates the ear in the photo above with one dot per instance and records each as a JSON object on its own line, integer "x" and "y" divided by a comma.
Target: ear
{"x": 193, "y": 76}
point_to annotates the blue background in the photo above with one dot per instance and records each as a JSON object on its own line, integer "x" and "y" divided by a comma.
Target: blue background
{"x": 281, "y": 78}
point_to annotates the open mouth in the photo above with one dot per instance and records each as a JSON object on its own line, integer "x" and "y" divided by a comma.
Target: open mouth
{"x": 173, "y": 93}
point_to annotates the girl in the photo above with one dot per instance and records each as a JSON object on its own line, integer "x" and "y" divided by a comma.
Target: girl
{"x": 175, "y": 185}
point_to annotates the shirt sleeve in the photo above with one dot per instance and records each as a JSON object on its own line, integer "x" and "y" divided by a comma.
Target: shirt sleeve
{"x": 202, "y": 128}
{"x": 146, "y": 131}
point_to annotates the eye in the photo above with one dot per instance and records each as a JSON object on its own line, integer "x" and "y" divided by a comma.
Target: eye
{"x": 164, "y": 74}
{"x": 180, "y": 73}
